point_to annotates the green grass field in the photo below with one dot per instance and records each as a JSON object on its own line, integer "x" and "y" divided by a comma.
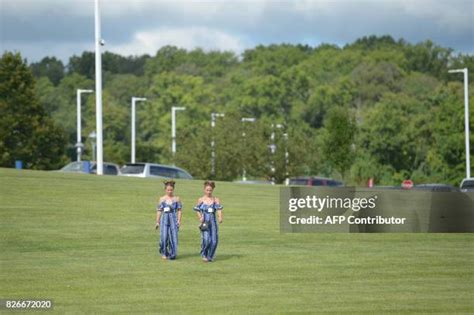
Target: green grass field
{"x": 89, "y": 244}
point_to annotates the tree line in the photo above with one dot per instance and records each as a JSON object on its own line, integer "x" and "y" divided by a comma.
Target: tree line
{"x": 377, "y": 107}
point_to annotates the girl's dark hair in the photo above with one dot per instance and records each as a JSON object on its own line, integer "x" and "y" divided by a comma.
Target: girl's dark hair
{"x": 209, "y": 183}
{"x": 169, "y": 182}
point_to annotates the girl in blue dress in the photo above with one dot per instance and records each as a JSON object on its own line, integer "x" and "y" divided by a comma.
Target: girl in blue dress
{"x": 209, "y": 212}
{"x": 168, "y": 220}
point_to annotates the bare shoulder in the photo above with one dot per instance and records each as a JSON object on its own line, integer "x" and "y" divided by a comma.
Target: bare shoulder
{"x": 162, "y": 198}
{"x": 199, "y": 200}
{"x": 218, "y": 201}
{"x": 177, "y": 198}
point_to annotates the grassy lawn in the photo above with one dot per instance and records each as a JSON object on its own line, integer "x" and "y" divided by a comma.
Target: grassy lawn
{"x": 89, "y": 244}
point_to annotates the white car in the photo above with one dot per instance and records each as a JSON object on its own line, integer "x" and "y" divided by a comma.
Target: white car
{"x": 153, "y": 170}
{"x": 467, "y": 185}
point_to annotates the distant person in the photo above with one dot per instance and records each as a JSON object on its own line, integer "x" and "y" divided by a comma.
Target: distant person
{"x": 207, "y": 208}
{"x": 168, "y": 220}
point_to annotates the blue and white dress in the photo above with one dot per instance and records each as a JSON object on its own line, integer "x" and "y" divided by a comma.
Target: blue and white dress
{"x": 209, "y": 238}
{"x": 169, "y": 228}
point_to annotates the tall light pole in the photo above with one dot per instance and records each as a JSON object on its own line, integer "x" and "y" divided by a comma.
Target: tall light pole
{"x": 98, "y": 90}
{"x": 466, "y": 118}
{"x": 134, "y": 100}
{"x": 213, "y": 144}
{"x": 287, "y": 159}
{"x": 93, "y": 137}
{"x": 173, "y": 129}
{"x": 244, "y": 171}
{"x": 273, "y": 149}
{"x": 79, "y": 144}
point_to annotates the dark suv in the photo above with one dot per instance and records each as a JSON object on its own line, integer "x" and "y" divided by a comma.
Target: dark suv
{"x": 315, "y": 181}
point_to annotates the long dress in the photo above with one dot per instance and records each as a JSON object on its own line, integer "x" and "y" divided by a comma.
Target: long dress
{"x": 210, "y": 237}
{"x": 168, "y": 245}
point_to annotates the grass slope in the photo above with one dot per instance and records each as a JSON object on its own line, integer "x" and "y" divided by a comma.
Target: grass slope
{"x": 89, "y": 244}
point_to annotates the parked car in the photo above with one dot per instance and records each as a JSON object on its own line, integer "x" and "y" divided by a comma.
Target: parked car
{"x": 153, "y": 170}
{"x": 315, "y": 181}
{"x": 436, "y": 187}
{"x": 467, "y": 185}
{"x": 87, "y": 167}
{"x": 381, "y": 187}
{"x": 260, "y": 182}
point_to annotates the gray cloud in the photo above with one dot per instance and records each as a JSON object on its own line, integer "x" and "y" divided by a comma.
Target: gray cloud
{"x": 62, "y": 28}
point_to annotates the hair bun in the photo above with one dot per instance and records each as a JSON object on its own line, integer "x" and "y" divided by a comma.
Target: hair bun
{"x": 169, "y": 182}
{"x": 209, "y": 183}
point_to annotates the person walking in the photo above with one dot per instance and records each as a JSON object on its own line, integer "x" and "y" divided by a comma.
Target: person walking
{"x": 209, "y": 212}
{"x": 168, "y": 220}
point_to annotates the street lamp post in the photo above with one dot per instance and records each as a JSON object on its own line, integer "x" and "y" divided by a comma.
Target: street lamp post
{"x": 98, "y": 90}
{"x": 287, "y": 159}
{"x": 244, "y": 171}
{"x": 134, "y": 100}
{"x": 93, "y": 137}
{"x": 173, "y": 128}
{"x": 213, "y": 144}
{"x": 273, "y": 149}
{"x": 466, "y": 118}
{"x": 79, "y": 145}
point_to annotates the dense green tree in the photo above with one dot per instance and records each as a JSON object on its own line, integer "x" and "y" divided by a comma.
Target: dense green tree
{"x": 210, "y": 66}
{"x": 123, "y": 86}
{"x": 274, "y": 59}
{"x": 396, "y": 132}
{"x": 193, "y": 151}
{"x": 340, "y": 130}
{"x": 83, "y": 65}
{"x": 328, "y": 63}
{"x": 263, "y": 95}
{"x": 373, "y": 80}
{"x": 231, "y": 149}
{"x": 26, "y": 131}
{"x": 462, "y": 61}
{"x": 65, "y": 98}
{"x": 111, "y": 63}
{"x": 154, "y": 115}
{"x": 399, "y": 94}
{"x": 446, "y": 157}
{"x": 167, "y": 59}
{"x": 118, "y": 64}
{"x": 60, "y": 104}
{"x": 49, "y": 67}
{"x": 298, "y": 151}
{"x": 429, "y": 58}
{"x": 47, "y": 95}
{"x": 374, "y": 42}
{"x": 253, "y": 145}
{"x": 325, "y": 97}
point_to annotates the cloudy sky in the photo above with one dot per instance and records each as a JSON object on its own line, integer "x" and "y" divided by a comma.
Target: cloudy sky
{"x": 62, "y": 28}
